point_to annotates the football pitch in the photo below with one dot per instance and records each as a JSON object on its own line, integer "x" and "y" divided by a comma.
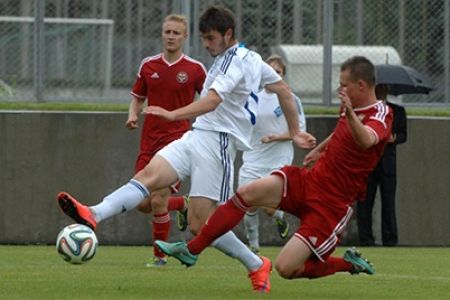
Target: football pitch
{"x": 119, "y": 272}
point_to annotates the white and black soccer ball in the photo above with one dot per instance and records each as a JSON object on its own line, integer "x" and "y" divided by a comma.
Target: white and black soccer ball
{"x": 76, "y": 243}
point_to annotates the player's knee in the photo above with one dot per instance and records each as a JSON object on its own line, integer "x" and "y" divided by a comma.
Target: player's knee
{"x": 285, "y": 270}
{"x": 246, "y": 193}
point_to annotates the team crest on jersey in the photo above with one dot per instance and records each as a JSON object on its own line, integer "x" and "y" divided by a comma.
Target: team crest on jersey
{"x": 182, "y": 77}
{"x": 278, "y": 112}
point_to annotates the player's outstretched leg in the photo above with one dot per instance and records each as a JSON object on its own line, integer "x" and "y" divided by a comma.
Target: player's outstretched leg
{"x": 261, "y": 278}
{"x": 78, "y": 212}
{"x": 360, "y": 264}
{"x": 179, "y": 251}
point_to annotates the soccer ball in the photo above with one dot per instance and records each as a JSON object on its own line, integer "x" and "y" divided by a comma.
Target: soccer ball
{"x": 76, "y": 243}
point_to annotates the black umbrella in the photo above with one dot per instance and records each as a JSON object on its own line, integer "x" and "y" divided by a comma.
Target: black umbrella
{"x": 402, "y": 80}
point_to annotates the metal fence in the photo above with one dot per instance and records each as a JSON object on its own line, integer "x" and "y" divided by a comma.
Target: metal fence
{"x": 90, "y": 50}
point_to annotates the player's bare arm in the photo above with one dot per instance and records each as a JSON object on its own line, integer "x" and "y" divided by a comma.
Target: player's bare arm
{"x": 285, "y": 136}
{"x": 364, "y": 137}
{"x": 203, "y": 105}
{"x": 287, "y": 104}
{"x": 313, "y": 156}
{"x": 134, "y": 110}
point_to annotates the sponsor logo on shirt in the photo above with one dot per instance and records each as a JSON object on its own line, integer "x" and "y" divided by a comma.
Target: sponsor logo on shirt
{"x": 155, "y": 75}
{"x": 182, "y": 77}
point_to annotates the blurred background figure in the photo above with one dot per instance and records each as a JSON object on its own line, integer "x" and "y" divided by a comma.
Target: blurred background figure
{"x": 272, "y": 149}
{"x": 383, "y": 176}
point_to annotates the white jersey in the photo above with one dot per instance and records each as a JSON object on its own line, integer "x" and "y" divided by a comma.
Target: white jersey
{"x": 236, "y": 75}
{"x": 271, "y": 120}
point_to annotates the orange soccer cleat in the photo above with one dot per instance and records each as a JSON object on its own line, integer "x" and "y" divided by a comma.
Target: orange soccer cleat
{"x": 78, "y": 212}
{"x": 261, "y": 277}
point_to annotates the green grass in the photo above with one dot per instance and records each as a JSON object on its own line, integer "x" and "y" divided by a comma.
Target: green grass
{"x": 37, "y": 272}
{"x": 123, "y": 107}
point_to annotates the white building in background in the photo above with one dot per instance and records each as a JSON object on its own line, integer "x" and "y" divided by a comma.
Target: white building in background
{"x": 304, "y": 66}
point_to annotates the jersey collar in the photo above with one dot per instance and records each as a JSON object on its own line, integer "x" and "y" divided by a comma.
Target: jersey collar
{"x": 173, "y": 63}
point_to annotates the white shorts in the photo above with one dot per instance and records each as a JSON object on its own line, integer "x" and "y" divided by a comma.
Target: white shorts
{"x": 248, "y": 173}
{"x": 207, "y": 157}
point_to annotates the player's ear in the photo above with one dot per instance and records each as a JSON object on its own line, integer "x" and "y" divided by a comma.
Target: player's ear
{"x": 228, "y": 34}
{"x": 362, "y": 84}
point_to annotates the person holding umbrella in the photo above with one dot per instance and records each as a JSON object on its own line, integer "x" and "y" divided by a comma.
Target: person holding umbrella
{"x": 383, "y": 176}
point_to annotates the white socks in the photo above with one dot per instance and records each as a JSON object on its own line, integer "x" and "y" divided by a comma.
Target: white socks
{"x": 251, "y": 223}
{"x": 121, "y": 200}
{"x": 233, "y": 247}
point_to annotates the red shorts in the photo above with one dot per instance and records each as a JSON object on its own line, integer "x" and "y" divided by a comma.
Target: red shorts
{"x": 322, "y": 220}
{"x": 143, "y": 159}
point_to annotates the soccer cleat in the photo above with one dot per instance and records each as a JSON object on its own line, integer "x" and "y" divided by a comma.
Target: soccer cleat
{"x": 182, "y": 221}
{"x": 178, "y": 250}
{"x": 261, "y": 278}
{"x": 283, "y": 227}
{"x": 157, "y": 262}
{"x": 359, "y": 263}
{"x": 78, "y": 212}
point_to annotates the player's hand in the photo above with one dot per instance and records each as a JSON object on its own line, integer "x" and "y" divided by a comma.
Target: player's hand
{"x": 346, "y": 104}
{"x": 132, "y": 123}
{"x": 159, "y": 111}
{"x": 311, "y": 158}
{"x": 304, "y": 140}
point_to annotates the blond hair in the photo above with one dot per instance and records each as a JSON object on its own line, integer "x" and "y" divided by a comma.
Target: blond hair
{"x": 177, "y": 18}
{"x": 278, "y": 60}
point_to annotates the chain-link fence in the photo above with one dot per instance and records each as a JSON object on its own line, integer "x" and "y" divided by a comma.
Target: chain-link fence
{"x": 90, "y": 50}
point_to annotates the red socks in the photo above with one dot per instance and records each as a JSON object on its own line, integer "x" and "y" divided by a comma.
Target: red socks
{"x": 175, "y": 203}
{"x": 161, "y": 222}
{"x": 161, "y": 227}
{"x": 225, "y": 218}
{"x": 314, "y": 268}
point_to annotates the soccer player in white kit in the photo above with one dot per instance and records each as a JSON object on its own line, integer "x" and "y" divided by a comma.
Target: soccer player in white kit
{"x": 271, "y": 149}
{"x": 207, "y": 152}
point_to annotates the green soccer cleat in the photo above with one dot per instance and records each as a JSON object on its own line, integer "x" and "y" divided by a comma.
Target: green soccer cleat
{"x": 360, "y": 264}
{"x": 182, "y": 221}
{"x": 179, "y": 251}
{"x": 283, "y": 227}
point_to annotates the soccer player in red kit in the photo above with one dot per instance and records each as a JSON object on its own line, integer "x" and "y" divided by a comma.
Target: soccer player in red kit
{"x": 321, "y": 193}
{"x": 169, "y": 80}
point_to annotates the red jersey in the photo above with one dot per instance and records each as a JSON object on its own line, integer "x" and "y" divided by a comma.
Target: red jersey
{"x": 342, "y": 170}
{"x": 170, "y": 86}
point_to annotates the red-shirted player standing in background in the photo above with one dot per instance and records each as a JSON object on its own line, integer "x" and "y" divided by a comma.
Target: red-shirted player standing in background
{"x": 320, "y": 195}
{"x": 169, "y": 80}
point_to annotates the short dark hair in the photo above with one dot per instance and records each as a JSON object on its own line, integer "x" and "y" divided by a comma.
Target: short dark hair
{"x": 217, "y": 18}
{"x": 381, "y": 91}
{"x": 361, "y": 68}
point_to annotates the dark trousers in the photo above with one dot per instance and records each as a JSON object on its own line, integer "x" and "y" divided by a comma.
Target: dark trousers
{"x": 387, "y": 184}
